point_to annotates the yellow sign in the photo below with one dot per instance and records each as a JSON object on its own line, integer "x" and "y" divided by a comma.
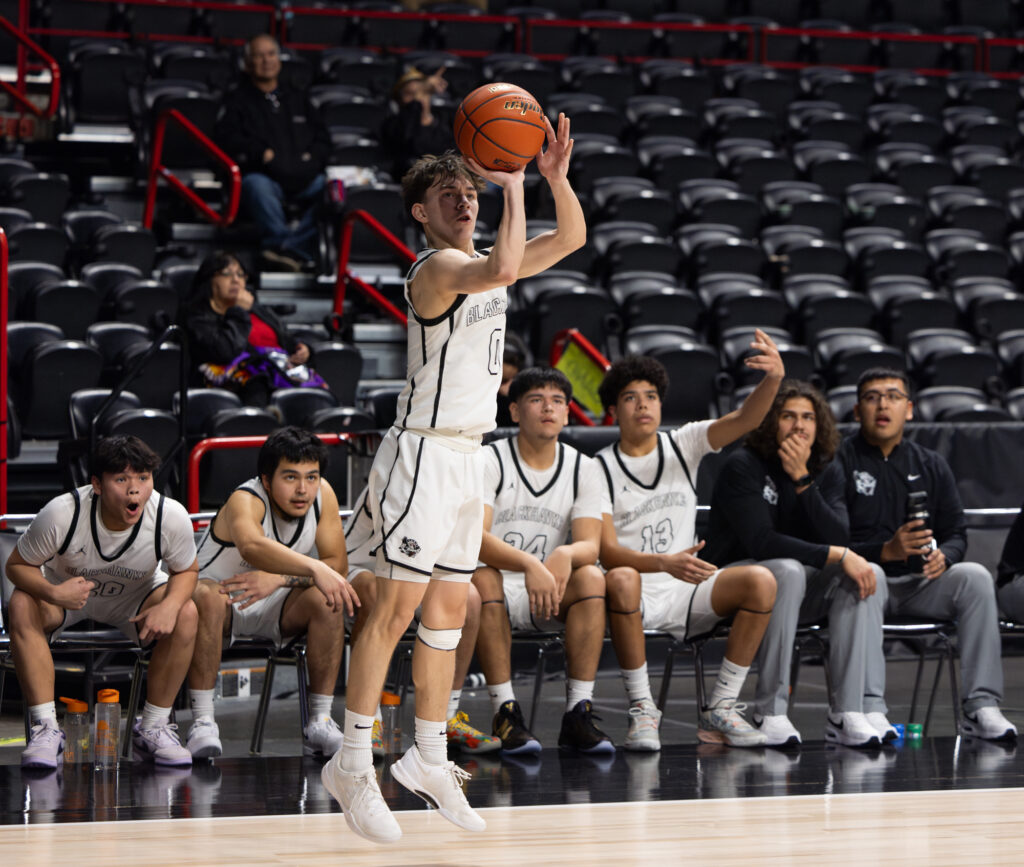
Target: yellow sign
{"x": 585, "y": 374}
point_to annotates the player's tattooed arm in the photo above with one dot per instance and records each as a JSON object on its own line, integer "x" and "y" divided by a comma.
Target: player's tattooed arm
{"x": 297, "y": 581}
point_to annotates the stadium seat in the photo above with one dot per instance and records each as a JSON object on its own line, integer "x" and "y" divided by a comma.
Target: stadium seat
{"x": 49, "y": 373}
{"x": 844, "y": 353}
{"x": 69, "y": 304}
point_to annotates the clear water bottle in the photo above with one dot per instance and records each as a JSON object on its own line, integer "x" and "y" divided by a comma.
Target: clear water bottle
{"x": 107, "y": 726}
{"x": 391, "y": 723}
{"x": 76, "y": 730}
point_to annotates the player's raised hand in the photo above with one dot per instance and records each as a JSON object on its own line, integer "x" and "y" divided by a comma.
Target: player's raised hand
{"x": 542, "y": 590}
{"x": 337, "y": 591}
{"x": 73, "y": 593}
{"x": 687, "y": 566}
{"x": 553, "y": 161}
{"x": 767, "y": 358}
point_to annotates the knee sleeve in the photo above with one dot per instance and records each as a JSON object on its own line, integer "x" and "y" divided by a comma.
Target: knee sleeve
{"x": 439, "y": 639}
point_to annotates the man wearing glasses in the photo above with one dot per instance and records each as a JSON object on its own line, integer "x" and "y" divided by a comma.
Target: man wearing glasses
{"x": 923, "y": 558}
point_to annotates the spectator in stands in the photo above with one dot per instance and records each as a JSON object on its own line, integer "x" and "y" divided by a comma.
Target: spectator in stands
{"x": 223, "y": 320}
{"x": 1010, "y": 572}
{"x": 769, "y": 507}
{"x": 95, "y": 553}
{"x": 513, "y": 360}
{"x": 271, "y": 129}
{"x": 417, "y": 127}
{"x": 879, "y": 469}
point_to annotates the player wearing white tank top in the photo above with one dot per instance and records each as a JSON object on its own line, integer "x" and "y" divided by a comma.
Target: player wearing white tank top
{"x": 655, "y": 580}
{"x": 426, "y": 482}
{"x": 272, "y": 565}
{"x": 543, "y": 534}
{"x": 96, "y": 553}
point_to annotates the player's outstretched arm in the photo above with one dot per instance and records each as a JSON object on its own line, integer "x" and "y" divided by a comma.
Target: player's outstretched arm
{"x": 748, "y": 416}
{"x": 549, "y": 248}
{"x": 614, "y": 554}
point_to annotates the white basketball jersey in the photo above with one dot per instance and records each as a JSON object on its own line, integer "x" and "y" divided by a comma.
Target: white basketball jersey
{"x": 220, "y": 560}
{"x": 652, "y": 498}
{"x": 534, "y": 509}
{"x": 68, "y": 538}
{"x": 454, "y": 363}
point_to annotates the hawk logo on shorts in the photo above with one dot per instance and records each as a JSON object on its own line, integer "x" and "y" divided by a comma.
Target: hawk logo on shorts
{"x": 770, "y": 492}
{"x": 864, "y": 482}
{"x": 409, "y": 547}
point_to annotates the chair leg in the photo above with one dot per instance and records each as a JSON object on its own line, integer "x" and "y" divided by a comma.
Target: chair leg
{"x": 403, "y": 671}
{"x": 256, "y": 745}
{"x": 698, "y": 670}
{"x": 666, "y": 676}
{"x": 302, "y": 676}
{"x": 794, "y": 670}
{"x": 134, "y": 697}
{"x": 543, "y": 650}
{"x": 935, "y": 688}
{"x": 917, "y": 682}
{"x": 954, "y": 688}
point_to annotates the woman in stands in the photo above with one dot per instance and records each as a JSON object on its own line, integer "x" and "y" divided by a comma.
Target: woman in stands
{"x": 225, "y": 322}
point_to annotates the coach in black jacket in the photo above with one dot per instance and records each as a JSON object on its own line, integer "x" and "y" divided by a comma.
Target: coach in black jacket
{"x": 272, "y": 131}
{"x": 767, "y": 507}
{"x": 879, "y": 469}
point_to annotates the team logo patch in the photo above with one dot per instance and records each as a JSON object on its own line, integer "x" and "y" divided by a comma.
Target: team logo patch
{"x": 409, "y": 547}
{"x": 864, "y": 482}
{"x": 770, "y": 492}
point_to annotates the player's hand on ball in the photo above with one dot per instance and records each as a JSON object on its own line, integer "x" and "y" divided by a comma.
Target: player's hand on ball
{"x": 502, "y": 179}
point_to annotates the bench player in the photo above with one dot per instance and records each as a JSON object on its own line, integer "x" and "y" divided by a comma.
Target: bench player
{"x": 655, "y": 578}
{"x": 95, "y": 553}
{"x": 270, "y": 566}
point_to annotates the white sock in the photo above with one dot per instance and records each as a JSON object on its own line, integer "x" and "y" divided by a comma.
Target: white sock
{"x": 577, "y": 691}
{"x": 357, "y": 751}
{"x": 153, "y": 716}
{"x": 201, "y": 701}
{"x": 500, "y": 693}
{"x": 432, "y": 741}
{"x": 46, "y": 711}
{"x": 729, "y": 683}
{"x": 637, "y": 683}
{"x": 320, "y": 706}
{"x": 453, "y": 703}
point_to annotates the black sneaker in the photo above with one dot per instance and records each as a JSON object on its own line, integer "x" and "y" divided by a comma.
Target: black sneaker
{"x": 508, "y": 725}
{"x": 579, "y": 732}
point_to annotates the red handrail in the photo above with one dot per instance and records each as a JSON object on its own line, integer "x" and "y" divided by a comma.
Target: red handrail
{"x": 345, "y": 276}
{"x": 17, "y": 93}
{"x": 668, "y": 27}
{"x": 213, "y": 444}
{"x": 4, "y": 292}
{"x": 293, "y": 12}
{"x": 157, "y": 170}
{"x": 558, "y": 345}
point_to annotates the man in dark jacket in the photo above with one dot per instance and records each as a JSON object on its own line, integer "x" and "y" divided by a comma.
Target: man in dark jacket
{"x": 417, "y": 126}
{"x": 923, "y": 557}
{"x": 272, "y": 131}
{"x": 769, "y": 507}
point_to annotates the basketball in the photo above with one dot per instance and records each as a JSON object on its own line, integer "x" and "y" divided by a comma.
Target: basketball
{"x": 501, "y": 126}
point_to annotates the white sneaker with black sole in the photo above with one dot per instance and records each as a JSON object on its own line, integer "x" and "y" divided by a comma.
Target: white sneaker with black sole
{"x": 880, "y": 723}
{"x": 851, "y": 729}
{"x": 440, "y": 786}
{"x": 988, "y": 723}
{"x": 203, "y": 739}
{"x": 777, "y": 729}
{"x": 363, "y": 805}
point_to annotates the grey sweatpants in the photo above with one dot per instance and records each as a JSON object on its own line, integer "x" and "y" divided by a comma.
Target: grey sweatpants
{"x": 1011, "y": 599}
{"x": 806, "y": 595}
{"x": 966, "y": 594}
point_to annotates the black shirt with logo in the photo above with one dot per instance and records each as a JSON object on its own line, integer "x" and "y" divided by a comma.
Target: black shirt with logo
{"x": 876, "y": 490}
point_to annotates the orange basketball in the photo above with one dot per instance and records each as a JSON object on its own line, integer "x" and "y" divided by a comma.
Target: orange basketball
{"x": 501, "y": 126}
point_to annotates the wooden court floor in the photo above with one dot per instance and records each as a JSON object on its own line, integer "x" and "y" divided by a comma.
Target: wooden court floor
{"x": 921, "y": 828}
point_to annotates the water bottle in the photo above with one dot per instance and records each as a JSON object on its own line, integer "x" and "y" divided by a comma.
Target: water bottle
{"x": 391, "y": 723}
{"x": 917, "y": 510}
{"x": 106, "y": 730}
{"x": 76, "y": 731}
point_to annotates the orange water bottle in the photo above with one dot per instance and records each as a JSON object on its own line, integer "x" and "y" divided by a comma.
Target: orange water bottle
{"x": 107, "y": 726}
